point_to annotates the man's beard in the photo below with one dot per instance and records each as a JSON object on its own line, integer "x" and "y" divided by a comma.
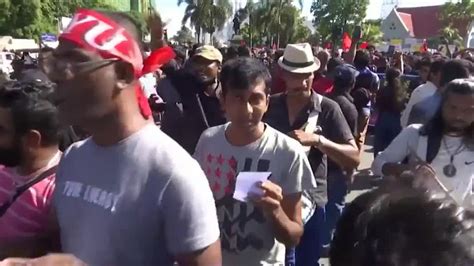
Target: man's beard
{"x": 10, "y": 157}
{"x": 455, "y": 129}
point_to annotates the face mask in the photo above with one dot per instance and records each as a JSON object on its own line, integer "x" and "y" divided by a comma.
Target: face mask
{"x": 10, "y": 157}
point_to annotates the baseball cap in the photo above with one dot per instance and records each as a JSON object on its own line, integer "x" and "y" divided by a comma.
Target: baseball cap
{"x": 344, "y": 75}
{"x": 209, "y": 52}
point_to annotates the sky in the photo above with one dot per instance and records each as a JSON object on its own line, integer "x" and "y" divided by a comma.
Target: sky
{"x": 173, "y": 14}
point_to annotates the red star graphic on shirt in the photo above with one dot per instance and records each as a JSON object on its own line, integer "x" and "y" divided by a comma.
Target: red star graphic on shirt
{"x": 220, "y": 159}
{"x": 218, "y": 173}
{"x": 230, "y": 176}
{"x": 216, "y": 187}
{"x": 209, "y": 158}
{"x": 228, "y": 190}
{"x": 233, "y": 163}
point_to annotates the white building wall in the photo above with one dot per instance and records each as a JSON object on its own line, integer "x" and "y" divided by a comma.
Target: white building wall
{"x": 393, "y": 28}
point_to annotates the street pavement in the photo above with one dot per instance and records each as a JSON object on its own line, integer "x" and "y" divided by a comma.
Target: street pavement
{"x": 362, "y": 180}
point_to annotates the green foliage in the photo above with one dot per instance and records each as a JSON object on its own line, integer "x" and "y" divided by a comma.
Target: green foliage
{"x": 274, "y": 21}
{"x": 454, "y": 16}
{"x": 452, "y": 35}
{"x": 184, "y": 36}
{"x": 139, "y": 19}
{"x": 30, "y": 18}
{"x": 372, "y": 32}
{"x": 340, "y": 14}
{"x": 206, "y": 16}
{"x": 315, "y": 39}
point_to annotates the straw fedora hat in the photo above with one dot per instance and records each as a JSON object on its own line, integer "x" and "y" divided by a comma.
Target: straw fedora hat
{"x": 299, "y": 58}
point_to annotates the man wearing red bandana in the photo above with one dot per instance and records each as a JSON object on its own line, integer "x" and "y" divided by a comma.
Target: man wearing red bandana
{"x": 128, "y": 195}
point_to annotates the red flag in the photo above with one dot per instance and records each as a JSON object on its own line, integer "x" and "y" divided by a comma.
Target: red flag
{"x": 158, "y": 58}
{"x": 346, "y": 42}
{"x": 364, "y": 45}
{"x": 424, "y": 47}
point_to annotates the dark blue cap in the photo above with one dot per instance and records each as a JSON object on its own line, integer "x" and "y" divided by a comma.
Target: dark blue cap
{"x": 344, "y": 75}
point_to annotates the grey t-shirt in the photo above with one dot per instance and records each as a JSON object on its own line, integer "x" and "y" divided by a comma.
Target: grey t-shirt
{"x": 138, "y": 202}
{"x": 247, "y": 236}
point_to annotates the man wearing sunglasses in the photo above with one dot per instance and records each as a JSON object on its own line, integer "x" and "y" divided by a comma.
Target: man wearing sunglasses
{"x": 128, "y": 195}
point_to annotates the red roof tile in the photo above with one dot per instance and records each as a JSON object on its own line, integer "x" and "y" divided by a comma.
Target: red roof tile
{"x": 407, "y": 20}
{"x": 425, "y": 20}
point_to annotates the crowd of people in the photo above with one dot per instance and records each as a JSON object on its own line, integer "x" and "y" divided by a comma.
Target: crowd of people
{"x": 107, "y": 159}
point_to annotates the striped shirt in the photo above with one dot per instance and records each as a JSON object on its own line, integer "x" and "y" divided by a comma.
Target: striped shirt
{"x": 28, "y": 216}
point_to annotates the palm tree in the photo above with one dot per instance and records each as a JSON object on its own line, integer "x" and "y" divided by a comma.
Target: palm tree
{"x": 372, "y": 32}
{"x": 195, "y": 13}
{"x": 452, "y": 35}
{"x": 205, "y": 16}
{"x": 217, "y": 15}
{"x": 458, "y": 15}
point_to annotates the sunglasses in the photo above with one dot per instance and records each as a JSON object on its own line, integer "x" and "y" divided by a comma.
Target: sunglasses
{"x": 63, "y": 68}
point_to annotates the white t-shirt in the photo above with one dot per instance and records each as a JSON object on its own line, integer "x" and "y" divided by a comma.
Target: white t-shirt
{"x": 409, "y": 141}
{"x": 419, "y": 94}
{"x": 247, "y": 235}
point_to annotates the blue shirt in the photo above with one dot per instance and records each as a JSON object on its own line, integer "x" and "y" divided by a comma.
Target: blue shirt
{"x": 425, "y": 110}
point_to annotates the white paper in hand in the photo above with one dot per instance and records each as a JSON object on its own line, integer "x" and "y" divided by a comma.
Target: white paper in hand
{"x": 246, "y": 182}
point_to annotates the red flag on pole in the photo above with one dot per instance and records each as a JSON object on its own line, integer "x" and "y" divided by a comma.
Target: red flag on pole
{"x": 364, "y": 45}
{"x": 346, "y": 42}
{"x": 424, "y": 47}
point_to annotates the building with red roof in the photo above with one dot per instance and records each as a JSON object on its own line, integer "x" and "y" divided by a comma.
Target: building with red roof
{"x": 414, "y": 22}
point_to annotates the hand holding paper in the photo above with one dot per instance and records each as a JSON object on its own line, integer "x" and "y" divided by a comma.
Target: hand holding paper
{"x": 247, "y": 184}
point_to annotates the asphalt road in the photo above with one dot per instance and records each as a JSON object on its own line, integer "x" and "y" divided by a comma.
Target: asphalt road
{"x": 362, "y": 181}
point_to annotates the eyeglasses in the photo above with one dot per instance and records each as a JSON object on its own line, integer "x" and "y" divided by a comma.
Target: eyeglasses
{"x": 65, "y": 69}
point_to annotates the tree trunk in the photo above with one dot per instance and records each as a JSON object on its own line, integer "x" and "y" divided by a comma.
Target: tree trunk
{"x": 198, "y": 34}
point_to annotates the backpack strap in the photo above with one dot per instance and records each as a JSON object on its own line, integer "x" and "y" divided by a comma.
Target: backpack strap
{"x": 21, "y": 189}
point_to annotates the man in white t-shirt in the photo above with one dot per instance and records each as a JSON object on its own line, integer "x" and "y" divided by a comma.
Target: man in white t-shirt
{"x": 254, "y": 232}
{"x": 424, "y": 90}
{"x": 446, "y": 143}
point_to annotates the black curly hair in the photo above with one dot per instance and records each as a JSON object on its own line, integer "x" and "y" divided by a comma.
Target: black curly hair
{"x": 403, "y": 226}
{"x": 32, "y": 107}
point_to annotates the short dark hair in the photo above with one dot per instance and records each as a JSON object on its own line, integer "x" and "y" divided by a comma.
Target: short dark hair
{"x": 243, "y": 51}
{"x": 425, "y": 62}
{"x": 333, "y": 63}
{"x": 32, "y": 108}
{"x": 361, "y": 59}
{"x": 231, "y": 53}
{"x": 453, "y": 69}
{"x": 437, "y": 65}
{"x": 243, "y": 72}
{"x": 403, "y": 226}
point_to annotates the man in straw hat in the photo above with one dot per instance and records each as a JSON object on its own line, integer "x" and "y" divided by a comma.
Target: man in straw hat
{"x": 319, "y": 125}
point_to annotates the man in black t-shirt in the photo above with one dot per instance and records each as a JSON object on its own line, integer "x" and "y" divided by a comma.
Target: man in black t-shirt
{"x": 192, "y": 98}
{"x": 294, "y": 113}
{"x": 344, "y": 80}
{"x": 339, "y": 178}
